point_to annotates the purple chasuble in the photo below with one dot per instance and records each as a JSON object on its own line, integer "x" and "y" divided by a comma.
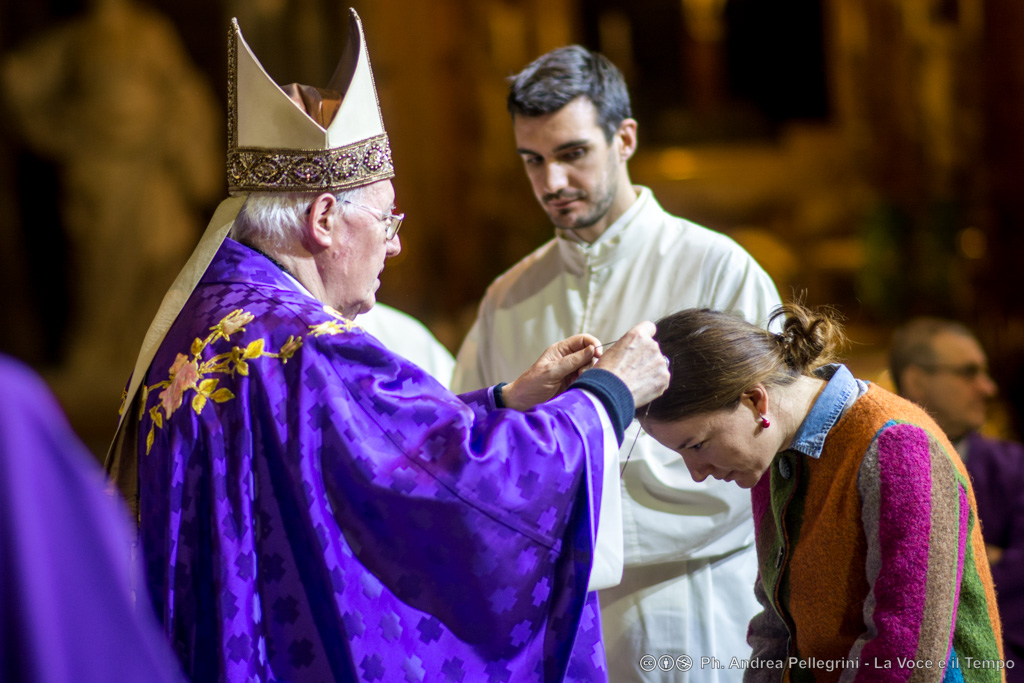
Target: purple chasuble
{"x": 66, "y": 607}
{"x": 315, "y": 508}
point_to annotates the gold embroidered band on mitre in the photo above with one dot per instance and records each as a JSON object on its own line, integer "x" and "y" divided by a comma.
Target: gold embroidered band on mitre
{"x": 322, "y": 170}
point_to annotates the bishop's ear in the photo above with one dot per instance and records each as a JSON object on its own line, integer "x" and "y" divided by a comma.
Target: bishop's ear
{"x": 319, "y": 219}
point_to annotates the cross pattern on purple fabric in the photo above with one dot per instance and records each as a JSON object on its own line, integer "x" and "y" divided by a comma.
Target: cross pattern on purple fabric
{"x": 370, "y": 586}
{"x": 429, "y": 628}
{"x": 541, "y": 591}
{"x": 245, "y": 566}
{"x": 272, "y": 568}
{"x": 353, "y": 623}
{"x": 521, "y": 633}
{"x": 230, "y": 529}
{"x": 348, "y": 484}
{"x": 301, "y": 652}
{"x": 229, "y": 604}
{"x": 527, "y": 560}
{"x": 453, "y": 670}
{"x": 285, "y": 609}
{"x": 548, "y": 519}
{"x": 373, "y": 668}
{"x": 403, "y": 481}
{"x": 503, "y": 599}
{"x": 527, "y": 483}
{"x": 414, "y": 671}
{"x": 498, "y": 672}
{"x": 264, "y": 525}
{"x": 239, "y": 647}
{"x": 390, "y": 627}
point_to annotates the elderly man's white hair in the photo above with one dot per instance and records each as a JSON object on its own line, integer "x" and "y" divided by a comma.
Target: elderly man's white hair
{"x": 273, "y": 220}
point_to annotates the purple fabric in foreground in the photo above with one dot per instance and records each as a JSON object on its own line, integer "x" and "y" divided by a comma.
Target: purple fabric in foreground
{"x": 66, "y": 610}
{"x": 314, "y": 507}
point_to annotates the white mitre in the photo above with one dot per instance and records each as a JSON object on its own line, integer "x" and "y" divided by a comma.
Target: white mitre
{"x": 291, "y": 139}
{"x": 274, "y": 145}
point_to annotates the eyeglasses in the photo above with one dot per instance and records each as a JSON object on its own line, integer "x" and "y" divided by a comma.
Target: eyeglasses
{"x": 392, "y": 222}
{"x": 968, "y": 372}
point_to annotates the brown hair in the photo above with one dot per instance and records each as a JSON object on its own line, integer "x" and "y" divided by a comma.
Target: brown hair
{"x": 715, "y": 356}
{"x": 556, "y": 78}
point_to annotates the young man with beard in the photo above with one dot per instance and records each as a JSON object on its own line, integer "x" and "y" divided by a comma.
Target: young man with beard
{"x": 617, "y": 258}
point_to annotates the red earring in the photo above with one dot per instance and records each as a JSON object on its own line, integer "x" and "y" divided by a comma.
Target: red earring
{"x": 765, "y": 424}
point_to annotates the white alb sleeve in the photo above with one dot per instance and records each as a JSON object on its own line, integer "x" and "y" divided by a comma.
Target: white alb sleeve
{"x": 608, "y": 546}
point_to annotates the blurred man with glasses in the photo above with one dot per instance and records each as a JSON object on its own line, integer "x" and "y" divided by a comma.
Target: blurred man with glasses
{"x": 940, "y": 365}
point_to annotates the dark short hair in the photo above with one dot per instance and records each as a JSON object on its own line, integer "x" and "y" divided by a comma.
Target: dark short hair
{"x": 714, "y": 356}
{"x": 556, "y": 78}
{"x": 911, "y": 344}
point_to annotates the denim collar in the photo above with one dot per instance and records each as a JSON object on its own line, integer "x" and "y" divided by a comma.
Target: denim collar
{"x": 833, "y": 402}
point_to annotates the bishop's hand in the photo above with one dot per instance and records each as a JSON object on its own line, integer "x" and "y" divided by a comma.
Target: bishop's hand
{"x": 636, "y": 359}
{"x": 557, "y": 368}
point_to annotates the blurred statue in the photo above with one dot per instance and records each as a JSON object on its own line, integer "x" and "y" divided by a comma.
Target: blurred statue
{"x": 114, "y": 100}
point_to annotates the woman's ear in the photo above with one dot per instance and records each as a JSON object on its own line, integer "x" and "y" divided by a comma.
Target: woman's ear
{"x": 757, "y": 398}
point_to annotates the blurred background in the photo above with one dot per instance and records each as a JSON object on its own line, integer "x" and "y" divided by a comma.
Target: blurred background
{"x": 869, "y": 153}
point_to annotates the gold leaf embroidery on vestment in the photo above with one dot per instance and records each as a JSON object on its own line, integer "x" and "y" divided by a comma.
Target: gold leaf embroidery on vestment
{"x": 339, "y": 325}
{"x": 194, "y": 374}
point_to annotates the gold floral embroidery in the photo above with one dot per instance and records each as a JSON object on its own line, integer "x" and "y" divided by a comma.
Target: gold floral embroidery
{"x": 290, "y": 347}
{"x": 184, "y": 375}
{"x": 193, "y": 374}
{"x": 335, "y": 313}
{"x": 142, "y": 400}
{"x": 329, "y": 327}
{"x": 339, "y": 325}
{"x": 233, "y": 322}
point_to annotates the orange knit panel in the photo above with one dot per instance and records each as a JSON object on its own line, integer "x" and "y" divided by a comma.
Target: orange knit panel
{"x": 827, "y": 565}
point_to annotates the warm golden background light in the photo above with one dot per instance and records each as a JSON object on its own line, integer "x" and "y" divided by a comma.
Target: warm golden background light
{"x": 869, "y": 153}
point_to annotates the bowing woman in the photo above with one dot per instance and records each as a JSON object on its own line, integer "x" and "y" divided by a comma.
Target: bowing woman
{"x": 871, "y": 559}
